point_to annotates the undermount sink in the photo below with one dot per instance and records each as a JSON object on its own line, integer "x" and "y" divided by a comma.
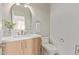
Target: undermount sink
{"x": 19, "y": 37}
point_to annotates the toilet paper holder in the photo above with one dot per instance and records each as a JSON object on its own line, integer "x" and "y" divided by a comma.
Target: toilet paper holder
{"x": 61, "y": 40}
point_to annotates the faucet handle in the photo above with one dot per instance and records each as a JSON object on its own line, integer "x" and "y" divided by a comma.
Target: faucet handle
{"x": 22, "y": 32}
{"x": 18, "y": 33}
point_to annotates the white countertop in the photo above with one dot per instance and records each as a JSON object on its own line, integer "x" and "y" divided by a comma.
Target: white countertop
{"x": 19, "y": 37}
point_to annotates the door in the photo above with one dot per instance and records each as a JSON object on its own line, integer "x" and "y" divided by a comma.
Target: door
{"x": 27, "y": 47}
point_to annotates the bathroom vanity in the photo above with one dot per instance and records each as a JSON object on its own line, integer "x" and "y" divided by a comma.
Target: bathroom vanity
{"x": 22, "y": 45}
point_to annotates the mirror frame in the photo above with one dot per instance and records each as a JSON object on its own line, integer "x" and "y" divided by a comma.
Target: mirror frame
{"x": 24, "y": 7}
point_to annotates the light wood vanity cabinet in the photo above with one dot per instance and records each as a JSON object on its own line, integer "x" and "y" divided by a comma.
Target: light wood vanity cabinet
{"x": 24, "y": 47}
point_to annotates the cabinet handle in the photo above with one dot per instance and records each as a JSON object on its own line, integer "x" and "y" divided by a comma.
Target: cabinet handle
{"x": 22, "y": 46}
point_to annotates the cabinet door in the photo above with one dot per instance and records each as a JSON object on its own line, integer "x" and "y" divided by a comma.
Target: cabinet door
{"x": 13, "y": 48}
{"x": 28, "y": 47}
{"x": 37, "y": 49}
{"x": 32, "y": 46}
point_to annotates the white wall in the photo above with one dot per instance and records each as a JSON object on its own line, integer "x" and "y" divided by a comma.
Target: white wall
{"x": 65, "y": 24}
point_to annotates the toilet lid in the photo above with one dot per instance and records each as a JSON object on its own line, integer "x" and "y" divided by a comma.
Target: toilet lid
{"x": 49, "y": 47}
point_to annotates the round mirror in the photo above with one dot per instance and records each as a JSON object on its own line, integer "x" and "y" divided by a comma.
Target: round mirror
{"x": 22, "y": 17}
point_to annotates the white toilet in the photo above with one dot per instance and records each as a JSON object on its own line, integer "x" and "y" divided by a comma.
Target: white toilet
{"x": 49, "y": 49}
